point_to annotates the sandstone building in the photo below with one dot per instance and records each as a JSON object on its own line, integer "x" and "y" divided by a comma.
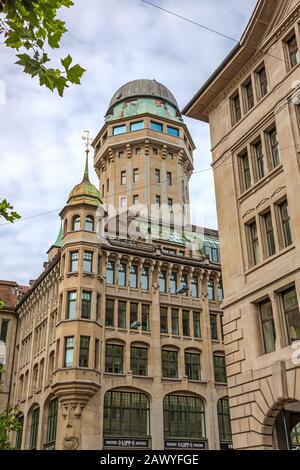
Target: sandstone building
{"x": 120, "y": 341}
{"x": 256, "y": 163}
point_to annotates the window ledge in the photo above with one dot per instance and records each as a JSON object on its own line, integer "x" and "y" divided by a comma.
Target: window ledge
{"x": 224, "y": 384}
{"x": 87, "y": 274}
{"x": 113, "y": 374}
{"x": 147, "y": 377}
{"x": 262, "y": 182}
{"x": 70, "y": 274}
{"x": 170, "y": 379}
{"x": 270, "y": 259}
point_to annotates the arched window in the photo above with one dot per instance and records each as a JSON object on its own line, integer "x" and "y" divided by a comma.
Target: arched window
{"x": 295, "y": 435}
{"x": 34, "y": 426}
{"x": 35, "y": 372}
{"x": 51, "y": 424}
{"x": 184, "y": 417}
{"x": 126, "y": 414}
{"x": 224, "y": 422}
{"x": 89, "y": 223}
{"x": 75, "y": 223}
{"x": 192, "y": 364}
{"x": 219, "y": 367}
{"x": 19, "y": 432}
{"x": 51, "y": 364}
{"x": 41, "y": 374}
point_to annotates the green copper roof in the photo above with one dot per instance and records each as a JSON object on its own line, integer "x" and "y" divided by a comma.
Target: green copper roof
{"x": 58, "y": 241}
{"x": 143, "y": 105}
{"x": 85, "y": 191}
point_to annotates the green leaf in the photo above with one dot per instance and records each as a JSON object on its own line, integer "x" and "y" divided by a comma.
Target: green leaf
{"x": 75, "y": 73}
{"x": 66, "y": 62}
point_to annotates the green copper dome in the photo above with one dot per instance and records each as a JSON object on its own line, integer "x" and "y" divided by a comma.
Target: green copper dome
{"x": 85, "y": 192}
{"x": 140, "y": 97}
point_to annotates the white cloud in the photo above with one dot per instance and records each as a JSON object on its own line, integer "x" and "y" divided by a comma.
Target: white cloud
{"x": 116, "y": 41}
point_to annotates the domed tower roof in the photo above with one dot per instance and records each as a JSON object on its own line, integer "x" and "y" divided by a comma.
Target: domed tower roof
{"x": 85, "y": 192}
{"x": 143, "y": 88}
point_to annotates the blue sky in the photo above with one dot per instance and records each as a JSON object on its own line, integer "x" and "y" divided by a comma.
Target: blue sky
{"x": 41, "y": 150}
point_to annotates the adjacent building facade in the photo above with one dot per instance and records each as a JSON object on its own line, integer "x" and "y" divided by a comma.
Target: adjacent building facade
{"x": 255, "y": 152}
{"x": 120, "y": 341}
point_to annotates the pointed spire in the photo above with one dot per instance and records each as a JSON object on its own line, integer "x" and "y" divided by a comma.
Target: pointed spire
{"x": 86, "y": 169}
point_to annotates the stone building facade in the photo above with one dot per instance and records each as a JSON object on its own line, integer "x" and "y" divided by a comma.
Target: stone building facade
{"x": 10, "y": 293}
{"x": 120, "y": 340}
{"x": 255, "y": 152}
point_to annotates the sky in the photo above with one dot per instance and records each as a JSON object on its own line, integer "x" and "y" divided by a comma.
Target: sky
{"x": 41, "y": 151}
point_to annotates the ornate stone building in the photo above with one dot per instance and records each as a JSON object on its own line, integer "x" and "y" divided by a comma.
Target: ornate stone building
{"x": 120, "y": 339}
{"x": 255, "y": 152}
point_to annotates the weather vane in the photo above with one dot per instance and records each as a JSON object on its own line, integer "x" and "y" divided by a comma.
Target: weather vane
{"x": 87, "y": 139}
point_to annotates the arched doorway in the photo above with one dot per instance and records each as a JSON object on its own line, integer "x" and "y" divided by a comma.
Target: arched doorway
{"x": 286, "y": 431}
{"x": 126, "y": 420}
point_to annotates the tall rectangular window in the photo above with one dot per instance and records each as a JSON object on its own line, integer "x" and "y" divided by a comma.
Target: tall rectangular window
{"x": 96, "y": 354}
{"x": 211, "y": 289}
{"x": 245, "y": 171}
{"x": 135, "y": 175}
{"x": 170, "y": 204}
{"x": 263, "y": 81}
{"x": 249, "y": 96}
{"x": 259, "y": 160}
{"x": 219, "y": 368}
{"x": 163, "y": 320}
{"x": 69, "y": 351}
{"x": 135, "y": 199}
{"x": 267, "y": 325}
{"x": 123, "y": 177}
{"x": 220, "y": 292}
{"x": 169, "y": 364}
{"x": 114, "y": 358}
{"x": 139, "y": 360}
{"x": 214, "y": 326}
{"x": 157, "y": 176}
{"x": 109, "y": 312}
{"x": 186, "y": 323}
{"x": 74, "y": 257}
{"x": 86, "y": 304}
{"x": 175, "y": 321}
{"x": 121, "y": 314}
{"x": 110, "y": 272}
{"x": 292, "y": 48}
{"x": 197, "y": 324}
{"x": 173, "y": 282}
{"x": 274, "y": 147}
{"x": 145, "y": 317}
{"x": 158, "y": 201}
{"x": 71, "y": 306}
{"x": 145, "y": 278}
{"x": 88, "y": 262}
{"x": 134, "y": 276}
{"x": 192, "y": 365}
{"x": 133, "y": 314}
{"x": 194, "y": 286}
{"x": 292, "y": 315}
{"x": 269, "y": 233}
{"x": 122, "y": 274}
{"x": 98, "y": 306}
{"x": 163, "y": 281}
{"x": 254, "y": 243}
{"x": 169, "y": 178}
{"x": 236, "y": 108}
{"x": 4, "y": 329}
{"x": 84, "y": 351}
{"x": 285, "y": 223}
{"x": 34, "y": 428}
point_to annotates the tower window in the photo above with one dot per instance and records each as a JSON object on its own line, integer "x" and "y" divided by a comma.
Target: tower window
{"x": 123, "y": 177}
{"x": 136, "y": 126}
{"x": 135, "y": 199}
{"x": 76, "y": 223}
{"x": 169, "y": 178}
{"x": 170, "y": 204}
{"x": 138, "y": 151}
{"x": 119, "y": 129}
{"x": 173, "y": 131}
{"x": 157, "y": 176}
{"x": 158, "y": 201}
{"x": 135, "y": 175}
{"x": 123, "y": 201}
{"x": 156, "y": 126}
{"x": 155, "y": 151}
{"x": 84, "y": 351}
{"x": 89, "y": 223}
